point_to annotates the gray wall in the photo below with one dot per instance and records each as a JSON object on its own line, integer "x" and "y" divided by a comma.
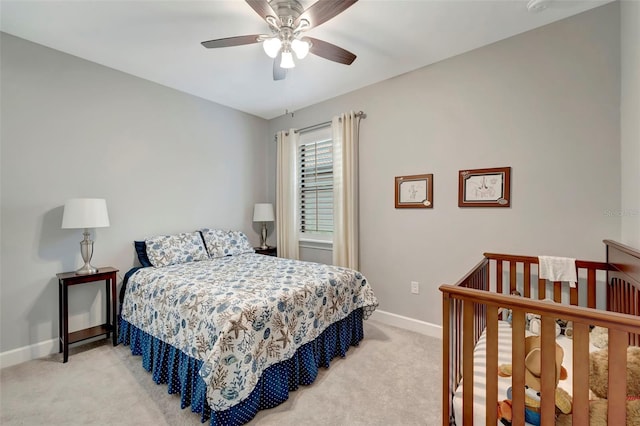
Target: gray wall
{"x": 545, "y": 103}
{"x": 165, "y": 162}
{"x": 630, "y": 122}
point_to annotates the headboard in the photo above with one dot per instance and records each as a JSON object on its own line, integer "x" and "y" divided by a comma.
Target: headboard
{"x": 623, "y": 278}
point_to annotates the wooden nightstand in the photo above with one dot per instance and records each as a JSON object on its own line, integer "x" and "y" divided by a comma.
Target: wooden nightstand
{"x": 269, "y": 251}
{"x": 66, "y": 279}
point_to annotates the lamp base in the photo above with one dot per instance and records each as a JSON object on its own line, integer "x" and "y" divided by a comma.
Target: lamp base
{"x": 87, "y": 269}
{"x": 86, "y": 250}
{"x": 263, "y": 236}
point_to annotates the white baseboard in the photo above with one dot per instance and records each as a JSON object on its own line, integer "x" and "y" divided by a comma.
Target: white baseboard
{"x": 407, "y": 323}
{"x": 27, "y": 353}
{"x": 49, "y": 347}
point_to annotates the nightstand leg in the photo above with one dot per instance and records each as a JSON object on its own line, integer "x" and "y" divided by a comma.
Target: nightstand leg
{"x": 65, "y": 326}
{"x": 60, "y": 285}
{"x": 113, "y": 308}
{"x": 107, "y": 295}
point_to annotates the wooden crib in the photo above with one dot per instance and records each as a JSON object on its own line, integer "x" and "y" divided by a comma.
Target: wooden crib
{"x": 472, "y": 307}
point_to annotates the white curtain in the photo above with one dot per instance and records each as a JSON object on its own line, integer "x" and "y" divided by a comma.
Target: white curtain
{"x": 286, "y": 195}
{"x": 345, "y": 190}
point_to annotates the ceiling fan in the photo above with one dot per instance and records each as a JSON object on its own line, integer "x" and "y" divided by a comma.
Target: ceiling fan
{"x": 288, "y": 22}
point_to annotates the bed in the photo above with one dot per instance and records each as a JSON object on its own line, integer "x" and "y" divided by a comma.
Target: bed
{"x": 477, "y": 339}
{"x": 233, "y": 331}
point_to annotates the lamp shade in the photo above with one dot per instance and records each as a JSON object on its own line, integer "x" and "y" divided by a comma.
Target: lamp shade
{"x": 85, "y": 213}
{"x": 300, "y": 47}
{"x": 272, "y": 46}
{"x": 263, "y": 212}
{"x": 287, "y": 60}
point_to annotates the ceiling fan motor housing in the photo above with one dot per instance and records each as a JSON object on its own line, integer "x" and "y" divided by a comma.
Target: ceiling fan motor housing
{"x": 288, "y": 11}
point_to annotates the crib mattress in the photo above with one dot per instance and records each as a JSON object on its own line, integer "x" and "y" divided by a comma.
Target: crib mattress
{"x": 504, "y": 357}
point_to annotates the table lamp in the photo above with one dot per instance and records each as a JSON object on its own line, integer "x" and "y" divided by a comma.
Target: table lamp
{"x": 85, "y": 213}
{"x": 263, "y": 212}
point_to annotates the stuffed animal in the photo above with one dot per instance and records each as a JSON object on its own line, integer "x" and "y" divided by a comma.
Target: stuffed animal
{"x": 532, "y": 380}
{"x": 599, "y": 337}
{"x": 598, "y": 382}
{"x": 535, "y": 325}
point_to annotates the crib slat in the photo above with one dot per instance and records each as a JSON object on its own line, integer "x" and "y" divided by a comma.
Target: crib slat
{"x": 467, "y": 361}
{"x": 542, "y": 288}
{"x": 580, "y": 374}
{"x": 634, "y": 339}
{"x": 628, "y": 297}
{"x": 517, "y": 362}
{"x": 492, "y": 362}
{"x": 548, "y": 377}
{"x": 591, "y": 288}
{"x": 616, "y": 412}
{"x": 446, "y": 361}
{"x": 512, "y": 276}
{"x": 573, "y": 293}
{"x": 557, "y": 291}
{"x": 457, "y": 344}
{"x": 527, "y": 280}
{"x": 499, "y": 276}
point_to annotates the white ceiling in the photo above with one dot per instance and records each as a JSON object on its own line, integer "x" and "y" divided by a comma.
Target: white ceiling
{"x": 160, "y": 41}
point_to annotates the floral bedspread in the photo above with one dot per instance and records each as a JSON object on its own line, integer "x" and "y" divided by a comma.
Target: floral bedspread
{"x": 241, "y": 314}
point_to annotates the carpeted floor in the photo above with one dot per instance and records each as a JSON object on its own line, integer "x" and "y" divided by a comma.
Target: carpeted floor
{"x": 392, "y": 378}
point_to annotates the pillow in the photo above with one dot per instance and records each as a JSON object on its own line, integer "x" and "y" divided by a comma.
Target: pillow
{"x": 164, "y": 250}
{"x": 222, "y": 243}
{"x": 141, "y": 249}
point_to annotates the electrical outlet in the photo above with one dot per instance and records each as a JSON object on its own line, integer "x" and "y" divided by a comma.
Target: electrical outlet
{"x": 415, "y": 287}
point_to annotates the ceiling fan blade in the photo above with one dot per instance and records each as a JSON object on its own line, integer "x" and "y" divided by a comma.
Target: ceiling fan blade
{"x": 231, "y": 41}
{"x": 331, "y": 51}
{"x": 262, "y": 8}
{"x": 279, "y": 73}
{"x": 323, "y": 10}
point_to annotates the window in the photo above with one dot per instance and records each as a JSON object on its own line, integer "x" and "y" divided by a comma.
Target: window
{"x": 315, "y": 183}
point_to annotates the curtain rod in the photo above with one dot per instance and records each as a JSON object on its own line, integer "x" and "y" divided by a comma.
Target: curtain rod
{"x": 359, "y": 114}
{"x": 313, "y": 127}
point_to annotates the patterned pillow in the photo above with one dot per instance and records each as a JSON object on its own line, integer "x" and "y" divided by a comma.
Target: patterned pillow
{"x": 165, "y": 250}
{"x": 222, "y": 243}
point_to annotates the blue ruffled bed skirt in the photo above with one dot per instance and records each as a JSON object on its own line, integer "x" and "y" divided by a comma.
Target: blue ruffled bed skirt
{"x": 180, "y": 371}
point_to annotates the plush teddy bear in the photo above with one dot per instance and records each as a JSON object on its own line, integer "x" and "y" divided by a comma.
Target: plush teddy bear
{"x": 598, "y": 382}
{"x": 599, "y": 337}
{"x": 533, "y": 372}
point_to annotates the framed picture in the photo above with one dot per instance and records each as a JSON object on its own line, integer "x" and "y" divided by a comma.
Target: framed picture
{"x": 414, "y": 192}
{"x": 485, "y": 187}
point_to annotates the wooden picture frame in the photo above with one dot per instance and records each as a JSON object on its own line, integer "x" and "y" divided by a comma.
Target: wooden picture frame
{"x": 414, "y": 192}
{"x": 485, "y": 187}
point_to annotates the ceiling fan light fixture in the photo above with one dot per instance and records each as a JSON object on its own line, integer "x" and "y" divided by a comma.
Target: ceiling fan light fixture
{"x": 300, "y": 47}
{"x": 272, "y": 46}
{"x": 287, "y": 60}
{"x": 288, "y": 22}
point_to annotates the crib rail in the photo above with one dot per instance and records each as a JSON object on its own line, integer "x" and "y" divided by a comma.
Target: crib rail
{"x": 473, "y": 305}
{"x": 512, "y": 263}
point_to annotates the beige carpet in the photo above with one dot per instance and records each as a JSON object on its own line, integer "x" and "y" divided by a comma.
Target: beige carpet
{"x": 392, "y": 378}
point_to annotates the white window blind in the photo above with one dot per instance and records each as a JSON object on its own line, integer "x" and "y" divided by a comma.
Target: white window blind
{"x": 315, "y": 182}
